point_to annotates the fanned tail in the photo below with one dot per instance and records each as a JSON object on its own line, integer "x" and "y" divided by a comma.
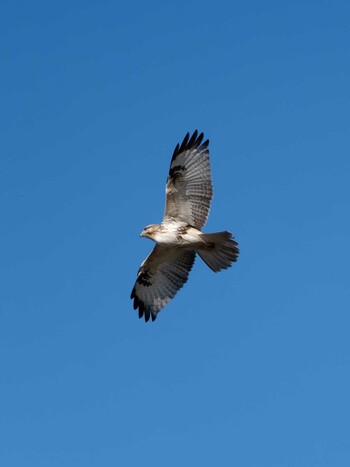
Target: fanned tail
{"x": 220, "y": 250}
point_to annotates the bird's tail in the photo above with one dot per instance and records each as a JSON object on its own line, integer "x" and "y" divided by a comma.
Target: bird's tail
{"x": 220, "y": 250}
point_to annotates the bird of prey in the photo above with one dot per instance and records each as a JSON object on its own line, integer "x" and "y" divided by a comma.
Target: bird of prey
{"x": 178, "y": 238}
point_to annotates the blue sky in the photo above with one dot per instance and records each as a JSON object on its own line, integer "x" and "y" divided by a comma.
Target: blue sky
{"x": 248, "y": 367}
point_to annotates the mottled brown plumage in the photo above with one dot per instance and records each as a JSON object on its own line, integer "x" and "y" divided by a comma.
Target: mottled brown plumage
{"x": 178, "y": 238}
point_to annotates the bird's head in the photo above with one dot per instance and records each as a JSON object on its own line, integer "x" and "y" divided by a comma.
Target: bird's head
{"x": 149, "y": 231}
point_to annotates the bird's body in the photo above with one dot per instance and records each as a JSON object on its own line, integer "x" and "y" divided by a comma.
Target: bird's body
{"x": 179, "y": 238}
{"x": 174, "y": 234}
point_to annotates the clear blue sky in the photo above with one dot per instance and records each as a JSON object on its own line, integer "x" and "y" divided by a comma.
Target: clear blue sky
{"x": 249, "y": 367}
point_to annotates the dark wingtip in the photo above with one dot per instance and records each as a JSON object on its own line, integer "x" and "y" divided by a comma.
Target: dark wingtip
{"x": 143, "y": 311}
{"x": 184, "y": 142}
{"x": 199, "y": 139}
{"x": 205, "y": 144}
{"x": 154, "y": 316}
{"x": 147, "y": 314}
{"x": 193, "y": 138}
{"x": 176, "y": 150}
{"x": 190, "y": 142}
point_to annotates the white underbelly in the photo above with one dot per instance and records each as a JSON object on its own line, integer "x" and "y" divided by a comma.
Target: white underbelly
{"x": 188, "y": 238}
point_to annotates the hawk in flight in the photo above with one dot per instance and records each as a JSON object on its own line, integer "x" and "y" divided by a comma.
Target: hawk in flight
{"x": 178, "y": 238}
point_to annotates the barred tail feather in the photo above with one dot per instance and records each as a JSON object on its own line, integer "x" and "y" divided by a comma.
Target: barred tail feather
{"x": 220, "y": 250}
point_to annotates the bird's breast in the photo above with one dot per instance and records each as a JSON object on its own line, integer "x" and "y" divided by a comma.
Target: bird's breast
{"x": 179, "y": 236}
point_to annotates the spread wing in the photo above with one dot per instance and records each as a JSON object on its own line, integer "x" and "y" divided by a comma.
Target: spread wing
{"x": 160, "y": 276}
{"x": 189, "y": 189}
